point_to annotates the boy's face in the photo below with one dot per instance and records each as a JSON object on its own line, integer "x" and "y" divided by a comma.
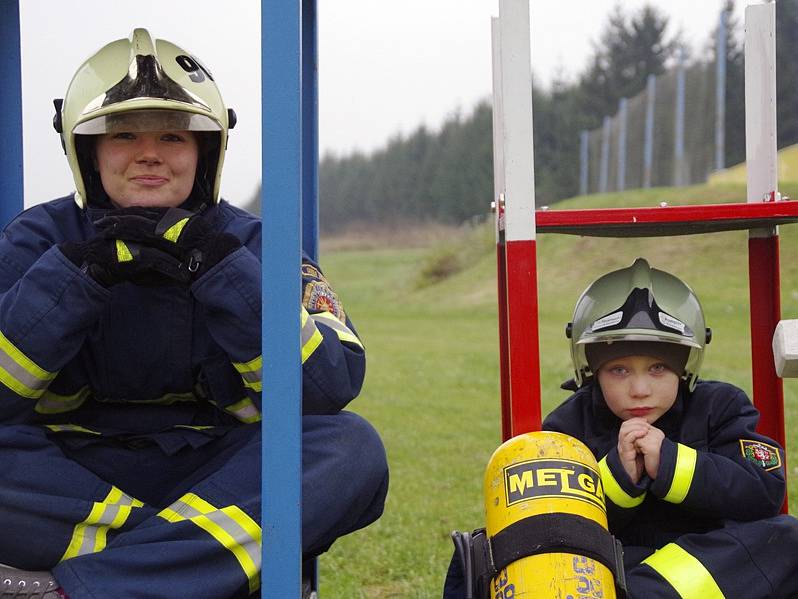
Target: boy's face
{"x": 638, "y": 387}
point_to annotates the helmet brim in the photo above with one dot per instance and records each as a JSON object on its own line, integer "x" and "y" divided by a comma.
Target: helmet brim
{"x": 137, "y": 121}
{"x": 637, "y": 335}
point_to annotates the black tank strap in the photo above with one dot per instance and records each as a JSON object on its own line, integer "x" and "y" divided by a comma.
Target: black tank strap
{"x": 558, "y": 533}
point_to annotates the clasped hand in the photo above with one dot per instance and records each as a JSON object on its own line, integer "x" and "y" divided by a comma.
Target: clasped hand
{"x": 150, "y": 247}
{"x": 639, "y": 446}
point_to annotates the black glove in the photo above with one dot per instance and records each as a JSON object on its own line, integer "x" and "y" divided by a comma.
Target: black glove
{"x": 185, "y": 235}
{"x": 111, "y": 261}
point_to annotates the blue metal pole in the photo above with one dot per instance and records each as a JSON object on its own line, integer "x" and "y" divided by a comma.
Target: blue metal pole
{"x": 310, "y": 130}
{"x": 648, "y": 135}
{"x": 720, "y": 93}
{"x": 281, "y": 55}
{"x": 12, "y": 188}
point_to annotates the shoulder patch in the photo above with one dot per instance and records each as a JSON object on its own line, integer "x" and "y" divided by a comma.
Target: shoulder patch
{"x": 311, "y": 272}
{"x": 319, "y": 297}
{"x": 765, "y": 455}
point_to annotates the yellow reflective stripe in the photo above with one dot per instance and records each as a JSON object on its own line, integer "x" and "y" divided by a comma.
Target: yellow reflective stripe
{"x": 310, "y": 337}
{"x": 21, "y": 374}
{"x": 91, "y": 535}
{"x": 70, "y": 428}
{"x": 229, "y": 526}
{"x": 52, "y": 403}
{"x": 684, "y": 573}
{"x": 344, "y": 332}
{"x": 245, "y": 411}
{"x": 614, "y": 491}
{"x": 123, "y": 252}
{"x": 686, "y": 458}
{"x": 251, "y": 372}
{"x": 173, "y": 232}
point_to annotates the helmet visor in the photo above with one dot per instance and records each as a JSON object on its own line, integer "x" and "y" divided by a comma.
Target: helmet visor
{"x": 639, "y": 319}
{"x": 137, "y": 121}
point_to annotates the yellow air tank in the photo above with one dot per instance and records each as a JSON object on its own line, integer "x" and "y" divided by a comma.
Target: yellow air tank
{"x": 534, "y": 482}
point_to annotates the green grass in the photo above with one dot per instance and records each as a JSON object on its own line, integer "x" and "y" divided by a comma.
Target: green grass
{"x": 432, "y": 387}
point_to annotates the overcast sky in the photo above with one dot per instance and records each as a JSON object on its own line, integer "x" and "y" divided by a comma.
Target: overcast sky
{"x": 385, "y": 67}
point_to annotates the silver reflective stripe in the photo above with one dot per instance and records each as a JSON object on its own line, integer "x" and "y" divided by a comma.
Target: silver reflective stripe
{"x": 306, "y": 333}
{"x": 344, "y": 332}
{"x": 230, "y": 526}
{"x": 91, "y": 531}
{"x": 8, "y": 364}
{"x": 251, "y": 377}
{"x": 91, "y": 535}
{"x": 52, "y": 403}
{"x": 332, "y": 322}
{"x": 240, "y": 536}
{"x": 245, "y": 411}
{"x": 251, "y": 372}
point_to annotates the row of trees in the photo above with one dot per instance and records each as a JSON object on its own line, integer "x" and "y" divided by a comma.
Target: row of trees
{"x": 447, "y": 176}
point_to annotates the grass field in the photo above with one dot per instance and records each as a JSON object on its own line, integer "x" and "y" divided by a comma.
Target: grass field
{"x": 432, "y": 387}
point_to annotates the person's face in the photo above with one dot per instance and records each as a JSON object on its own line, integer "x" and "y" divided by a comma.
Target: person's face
{"x": 153, "y": 168}
{"x": 638, "y": 387}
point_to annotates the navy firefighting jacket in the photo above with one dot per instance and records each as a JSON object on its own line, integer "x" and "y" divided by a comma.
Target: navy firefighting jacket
{"x": 172, "y": 363}
{"x": 714, "y": 466}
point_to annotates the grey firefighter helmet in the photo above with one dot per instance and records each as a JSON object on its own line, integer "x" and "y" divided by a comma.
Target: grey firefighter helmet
{"x": 142, "y": 84}
{"x": 641, "y": 304}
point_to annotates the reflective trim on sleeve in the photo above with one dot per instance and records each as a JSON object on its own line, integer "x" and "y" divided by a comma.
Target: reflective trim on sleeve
{"x": 684, "y": 573}
{"x": 686, "y": 458}
{"x": 251, "y": 372}
{"x": 614, "y": 491}
{"x": 173, "y": 232}
{"x": 52, "y": 403}
{"x": 344, "y": 332}
{"x": 91, "y": 535}
{"x": 310, "y": 337}
{"x": 245, "y": 411}
{"x": 229, "y": 526}
{"x": 21, "y": 374}
{"x": 123, "y": 252}
{"x": 71, "y": 428}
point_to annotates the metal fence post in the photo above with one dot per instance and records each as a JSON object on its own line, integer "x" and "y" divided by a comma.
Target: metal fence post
{"x": 605, "y": 156}
{"x": 620, "y": 184}
{"x": 720, "y": 92}
{"x": 583, "y": 161}
{"x": 648, "y": 133}
{"x": 678, "y": 127}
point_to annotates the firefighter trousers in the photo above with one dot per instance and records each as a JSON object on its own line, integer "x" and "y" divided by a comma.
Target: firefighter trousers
{"x": 754, "y": 560}
{"x": 115, "y": 520}
{"x": 743, "y": 560}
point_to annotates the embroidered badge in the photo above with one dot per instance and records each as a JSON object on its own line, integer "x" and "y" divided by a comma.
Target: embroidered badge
{"x": 319, "y": 297}
{"x": 760, "y": 453}
{"x": 312, "y": 272}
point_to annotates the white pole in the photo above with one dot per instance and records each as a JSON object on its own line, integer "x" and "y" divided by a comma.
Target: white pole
{"x": 760, "y": 101}
{"x": 516, "y": 94}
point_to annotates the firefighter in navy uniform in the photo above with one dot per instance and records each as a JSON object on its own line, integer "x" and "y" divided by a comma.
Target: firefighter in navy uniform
{"x": 692, "y": 491}
{"x": 130, "y": 367}
{"x": 696, "y": 499}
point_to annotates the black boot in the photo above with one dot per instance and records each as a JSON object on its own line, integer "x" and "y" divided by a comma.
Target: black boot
{"x": 24, "y": 584}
